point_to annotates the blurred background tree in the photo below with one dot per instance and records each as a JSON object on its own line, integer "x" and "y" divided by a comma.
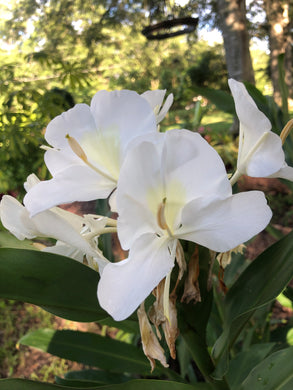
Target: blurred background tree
{"x": 60, "y": 52}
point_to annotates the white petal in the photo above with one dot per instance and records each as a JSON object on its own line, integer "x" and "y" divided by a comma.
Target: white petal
{"x": 224, "y": 224}
{"x": 124, "y": 285}
{"x": 124, "y": 112}
{"x": 268, "y": 157}
{"x": 285, "y": 172}
{"x": 65, "y": 250}
{"x": 15, "y": 218}
{"x": 253, "y": 122}
{"x": 31, "y": 181}
{"x": 164, "y": 110}
{"x": 155, "y": 99}
{"x": 75, "y": 122}
{"x": 113, "y": 202}
{"x": 139, "y": 192}
{"x": 58, "y": 160}
{"x": 76, "y": 183}
{"x": 50, "y": 224}
{"x": 189, "y": 159}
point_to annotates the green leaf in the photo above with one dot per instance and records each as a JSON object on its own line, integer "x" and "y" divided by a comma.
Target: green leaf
{"x": 260, "y": 283}
{"x": 58, "y": 284}
{"x": 273, "y": 373}
{"x": 221, "y": 99}
{"x": 267, "y": 105}
{"x": 90, "y": 378}
{"x": 141, "y": 384}
{"x": 245, "y": 361}
{"x": 130, "y": 325}
{"x": 91, "y": 349}
{"x": 7, "y": 240}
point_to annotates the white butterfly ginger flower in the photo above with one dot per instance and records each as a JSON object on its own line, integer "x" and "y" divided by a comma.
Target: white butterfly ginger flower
{"x": 171, "y": 189}
{"x": 89, "y": 145}
{"x": 260, "y": 150}
{"x": 75, "y": 235}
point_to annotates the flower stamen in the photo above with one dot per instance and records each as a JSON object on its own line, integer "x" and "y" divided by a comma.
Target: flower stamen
{"x": 286, "y": 131}
{"x": 162, "y": 219}
{"x": 78, "y": 150}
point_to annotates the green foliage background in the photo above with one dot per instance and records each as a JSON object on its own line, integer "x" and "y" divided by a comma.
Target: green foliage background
{"x": 52, "y": 49}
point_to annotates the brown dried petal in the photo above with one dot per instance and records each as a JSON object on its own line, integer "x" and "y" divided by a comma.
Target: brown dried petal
{"x": 150, "y": 344}
{"x": 191, "y": 286}
{"x": 170, "y": 328}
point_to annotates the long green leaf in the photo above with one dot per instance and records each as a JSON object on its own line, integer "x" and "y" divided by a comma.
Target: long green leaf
{"x": 90, "y": 349}
{"x": 260, "y": 283}
{"x": 245, "y": 361}
{"x": 59, "y": 284}
{"x": 273, "y": 373}
{"x": 141, "y": 384}
{"x": 90, "y": 378}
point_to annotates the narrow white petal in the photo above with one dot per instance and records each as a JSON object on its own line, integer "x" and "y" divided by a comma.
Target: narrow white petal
{"x": 164, "y": 110}
{"x": 253, "y": 122}
{"x": 224, "y": 224}
{"x": 124, "y": 285}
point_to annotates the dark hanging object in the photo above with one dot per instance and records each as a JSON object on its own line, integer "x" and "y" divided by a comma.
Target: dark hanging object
{"x": 160, "y": 31}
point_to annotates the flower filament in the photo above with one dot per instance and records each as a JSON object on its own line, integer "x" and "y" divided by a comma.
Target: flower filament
{"x": 286, "y": 131}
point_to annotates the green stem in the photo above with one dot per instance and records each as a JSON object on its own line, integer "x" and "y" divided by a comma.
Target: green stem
{"x": 202, "y": 359}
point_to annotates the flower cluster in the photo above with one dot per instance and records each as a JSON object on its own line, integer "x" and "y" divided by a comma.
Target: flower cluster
{"x": 165, "y": 188}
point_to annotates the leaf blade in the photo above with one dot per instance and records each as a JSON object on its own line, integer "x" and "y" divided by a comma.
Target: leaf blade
{"x": 43, "y": 279}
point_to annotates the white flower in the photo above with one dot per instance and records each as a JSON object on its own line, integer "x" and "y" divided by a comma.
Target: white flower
{"x": 174, "y": 188}
{"x": 155, "y": 99}
{"x": 89, "y": 146}
{"x": 260, "y": 150}
{"x": 69, "y": 229}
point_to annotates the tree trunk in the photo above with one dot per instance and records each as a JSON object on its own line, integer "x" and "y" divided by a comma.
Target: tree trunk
{"x": 232, "y": 22}
{"x": 280, "y": 41}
